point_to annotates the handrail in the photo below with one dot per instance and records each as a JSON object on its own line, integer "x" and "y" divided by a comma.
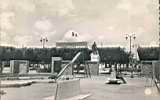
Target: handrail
{"x": 70, "y": 63}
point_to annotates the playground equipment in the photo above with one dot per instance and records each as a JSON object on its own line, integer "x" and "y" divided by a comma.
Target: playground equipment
{"x": 56, "y": 64}
{"x": 115, "y": 78}
{"x": 147, "y": 71}
{"x": 68, "y": 89}
{"x": 19, "y": 66}
{"x": 1, "y": 91}
{"x": 151, "y": 71}
{"x": 156, "y": 73}
{"x": 68, "y": 65}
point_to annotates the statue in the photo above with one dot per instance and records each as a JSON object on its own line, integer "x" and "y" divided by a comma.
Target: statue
{"x": 94, "y": 48}
{"x": 95, "y": 55}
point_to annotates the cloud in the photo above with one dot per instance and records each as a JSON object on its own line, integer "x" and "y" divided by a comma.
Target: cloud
{"x": 23, "y": 40}
{"x": 61, "y": 8}
{"x": 43, "y": 25}
{"x": 103, "y": 20}
{"x": 65, "y": 7}
{"x": 4, "y": 5}
{"x": 5, "y": 19}
{"x": 154, "y": 43}
{"x": 125, "y": 5}
{"x": 3, "y": 37}
{"x": 25, "y": 6}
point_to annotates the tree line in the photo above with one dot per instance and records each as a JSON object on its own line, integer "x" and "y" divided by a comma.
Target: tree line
{"x": 43, "y": 55}
{"x": 148, "y": 53}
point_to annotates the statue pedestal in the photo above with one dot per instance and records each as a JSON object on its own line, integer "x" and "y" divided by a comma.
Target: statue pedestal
{"x": 93, "y": 67}
{"x": 95, "y": 57}
{"x": 94, "y": 64}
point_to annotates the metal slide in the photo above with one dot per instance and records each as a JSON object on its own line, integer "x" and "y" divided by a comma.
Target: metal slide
{"x": 70, "y": 63}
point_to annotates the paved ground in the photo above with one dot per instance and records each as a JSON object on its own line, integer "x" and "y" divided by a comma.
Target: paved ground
{"x": 134, "y": 90}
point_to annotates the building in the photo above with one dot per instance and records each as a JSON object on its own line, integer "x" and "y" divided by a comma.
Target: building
{"x": 83, "y": 44}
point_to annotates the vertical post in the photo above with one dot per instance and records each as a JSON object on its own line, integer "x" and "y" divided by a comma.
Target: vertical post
{"x": 159, "y": 27}
{"x": 130, "y": 44}
{"x": 0, "y": 62}
{"x": 43, "y": 43}
{"x": 0, "y": 89}
{"x": 130, "y": 59}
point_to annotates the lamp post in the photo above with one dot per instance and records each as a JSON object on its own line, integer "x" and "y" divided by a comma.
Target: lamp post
{"x": 130, "y": 37}
{"x": 43, "y": 40}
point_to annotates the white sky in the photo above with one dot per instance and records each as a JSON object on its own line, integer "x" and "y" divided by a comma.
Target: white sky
{"x": 24, "y": 22}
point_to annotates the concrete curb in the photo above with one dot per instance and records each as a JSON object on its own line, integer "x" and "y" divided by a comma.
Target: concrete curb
{"x": 21, "y": 83}
{"x": 16, "y": 84}
{"x": 78, "y": 97}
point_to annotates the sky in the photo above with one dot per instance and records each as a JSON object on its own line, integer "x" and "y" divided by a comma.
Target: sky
{"x": 24, "y": 22}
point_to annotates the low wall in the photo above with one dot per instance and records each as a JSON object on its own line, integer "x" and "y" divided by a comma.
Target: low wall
{"x": 67, "y": 89}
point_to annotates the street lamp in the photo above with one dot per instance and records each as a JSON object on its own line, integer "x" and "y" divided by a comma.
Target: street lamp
{"x": 43, "y": 40}
{"x": 130, "y": 37}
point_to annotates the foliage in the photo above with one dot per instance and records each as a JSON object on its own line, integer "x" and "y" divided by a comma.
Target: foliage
{"x": 43, "y": 55}
{"x": 113, "y": 55}
{"x": 148, "y": 53}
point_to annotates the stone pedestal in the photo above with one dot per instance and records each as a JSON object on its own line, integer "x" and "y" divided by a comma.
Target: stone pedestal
{"x": 94, "y": 63}
{"x": 56, "y": 64}
{"x": 19, "y": 66}
{"x": 95, "y": 57}
{"x": 93, "y": 67}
